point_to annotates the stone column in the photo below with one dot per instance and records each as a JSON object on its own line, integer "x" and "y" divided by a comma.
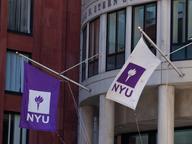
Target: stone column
{"x": 106, "y": 121}
{"x": 166, "y": 115}
{"x": 85, "y": 125}
{"x": 102, "y": 42}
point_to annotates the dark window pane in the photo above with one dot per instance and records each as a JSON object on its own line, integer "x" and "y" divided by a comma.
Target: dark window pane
{"x": 179, "y": 17}
{"x": 189, "y": 20}
{"x": 84, "y": 54}
{"x": 138, "y": 20}
{"x": 19, "y": 16}
{"x": 96, "y": 65}
{"x": 93, "y": 47}
{"x": 121, "y": 31}
{"x": 111, "y": 33}
{"x": 178, "y": 55}
{"x": 124, "y": 139}
{"x": 135, "y": 139}
{"x": 181, "y": 29}
{"x": 93, "y": 68}
{"x": 84, "y": 43}
{"x": 189, "y": 52}
{"x": 116, "y": 39}
{"x": 110, "y": 62}
{"x": 14, "y": 72}
{"x": 83, "y": 72}
{"x": 14, "y": 134}
{"x": 144, "y": 16}
{"x": 96, "y": 31}
{"x": 91, "y": 39}
{"x": 183, "y": 136}
{"x": 5, "y": 128}
{"x": 147, "y": 138}
{"x": 150, "y": 21}
{"x": 120, "y": 60}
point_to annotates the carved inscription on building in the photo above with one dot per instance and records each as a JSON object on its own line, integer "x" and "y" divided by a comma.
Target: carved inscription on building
{"x": 93, "y": 8}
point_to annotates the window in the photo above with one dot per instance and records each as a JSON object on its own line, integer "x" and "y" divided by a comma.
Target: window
{"x": 144, "y": 16}
{"x": 84, "y": 48}
{"x": 14, "y": 72}
{"x": 19, "y": 16}
{"x": 183, "y": 136}
{"x": 12, "y": 134}
{"x": 93, "y": 47}
{"x": 147, "y": 138}
{"x": 116, "y": 40}
{"x": 181, "y": 28}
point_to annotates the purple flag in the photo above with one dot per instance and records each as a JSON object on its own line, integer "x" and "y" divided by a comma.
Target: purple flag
{"x": 40, "y": 98}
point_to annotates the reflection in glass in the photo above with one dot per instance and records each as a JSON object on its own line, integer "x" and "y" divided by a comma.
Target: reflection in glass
{"x": 111, "y": 32}
{"x": 181, "y": 28}
{"x": 121, "y": 31}
{"x": 138, "y": 20}
{"x": 150, "y": 21}
{"x": 144, "y": 16}
{"x": 93, "y": 47}
{"x": 179, "y": 21}
{"x": 183, "y": 137}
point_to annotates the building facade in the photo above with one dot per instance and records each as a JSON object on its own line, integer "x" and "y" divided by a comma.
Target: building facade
{"x": 164, "y": 113}
{"x": 47, "y": 31}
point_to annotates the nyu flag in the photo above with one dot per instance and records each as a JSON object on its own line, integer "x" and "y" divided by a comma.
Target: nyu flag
{"x": 130, "y": 81}
{"x": 40, "y": 98}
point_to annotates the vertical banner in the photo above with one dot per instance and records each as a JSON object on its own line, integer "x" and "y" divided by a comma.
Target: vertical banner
{"x": 39, "y": 101}
{"x": 130, "y": 81}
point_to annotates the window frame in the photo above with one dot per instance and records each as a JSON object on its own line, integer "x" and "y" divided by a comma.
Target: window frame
{"x": 84, "y": 53}
{"x": 31, "y": 22}
{"x": 152, "y": 133}
{"x": 186, "y": 34}
{"x": 17, "y": 93}
{"x": 94, "y": 61}
{"x": 116, "y": 53}
{"x": 11, "y": 132}
{"x": 144, "y": 23}
{"x": 126, "y": 136}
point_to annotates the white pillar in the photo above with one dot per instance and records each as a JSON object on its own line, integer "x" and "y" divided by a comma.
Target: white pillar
{"x": 166, "y": 115}
{"x": 106, "y": 121}
{"x": 102, "y": 42}
{"x": 85, "y": 125}
{"x": 128, "y": 31}
{"x": 164, "y": 25}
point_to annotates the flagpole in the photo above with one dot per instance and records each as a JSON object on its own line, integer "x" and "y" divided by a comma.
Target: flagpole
{"x": 54, "y": 72}
{"x": 163, "y": 55}
{"x": 78, "y": 64}
{"x": 180, "y": 48}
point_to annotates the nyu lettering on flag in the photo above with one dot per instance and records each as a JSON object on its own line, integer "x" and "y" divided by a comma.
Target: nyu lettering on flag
{"x": 40, "y": 98}
{"x": 130, "y": 81}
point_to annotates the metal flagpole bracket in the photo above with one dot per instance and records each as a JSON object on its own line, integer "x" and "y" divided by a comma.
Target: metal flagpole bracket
{"x": 54, "y": 72}
{"x": 180, "y": 73}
